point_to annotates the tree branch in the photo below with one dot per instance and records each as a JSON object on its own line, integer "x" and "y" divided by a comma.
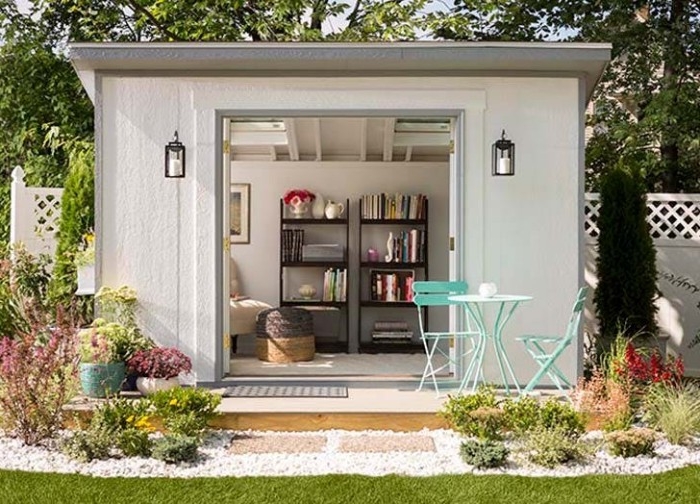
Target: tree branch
{"x": 157, "y": 24}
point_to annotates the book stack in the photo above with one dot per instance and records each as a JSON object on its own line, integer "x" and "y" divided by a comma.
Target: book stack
{"x": 391, "y": 285}
{"x": 292, "y": 245}
{"x": 335, "y": 285}
{"x": 409, "y": 246}
{"x": 394, "y": 206}
{"x": 391, "y": 331}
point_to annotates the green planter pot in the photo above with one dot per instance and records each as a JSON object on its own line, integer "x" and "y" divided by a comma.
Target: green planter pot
{"x": 100, "y": 380}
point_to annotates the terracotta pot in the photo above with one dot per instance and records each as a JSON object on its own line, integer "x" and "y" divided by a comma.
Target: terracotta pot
{"x": 148, "y": 386}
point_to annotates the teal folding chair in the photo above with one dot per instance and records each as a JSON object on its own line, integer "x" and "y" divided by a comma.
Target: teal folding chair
{"x": 431, "y": 293}
{"x": 546, "y": 359}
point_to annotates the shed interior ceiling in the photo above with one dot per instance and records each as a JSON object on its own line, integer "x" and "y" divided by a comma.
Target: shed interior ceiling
{"x": 384, "y": 139}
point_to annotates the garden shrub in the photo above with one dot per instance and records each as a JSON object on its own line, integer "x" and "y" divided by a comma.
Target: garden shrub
{"x": 674, "y": 410}
{"x": 38, "y": 376}
{"x": 487, "y": 423}
{"x": 626, "y": 263}
{"x": 603, "y": 403}
{"x": 185, "y": 410}
{"x": 555, "y": 414}
{"x": 483, "y": 454}
{"x": 176, "y": 448}
{"x": 458, "y": 410}
{"x": 521, "y": 414}
{"x": 116, "y": 415}
{"x": 553, "y": 446}
{"x": 631, "y": 442}
{"x": 89, "y": 444}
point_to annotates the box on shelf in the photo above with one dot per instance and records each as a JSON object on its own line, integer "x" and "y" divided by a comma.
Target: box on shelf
{"x": 322, "y": 252}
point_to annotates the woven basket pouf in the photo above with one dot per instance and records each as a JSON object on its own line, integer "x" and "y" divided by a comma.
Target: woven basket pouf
{"x": 285, "y": 335}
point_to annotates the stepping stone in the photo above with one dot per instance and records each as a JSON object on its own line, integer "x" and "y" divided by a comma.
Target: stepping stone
{"x": 386, "y": 443}
{"x": 284, "y": 443}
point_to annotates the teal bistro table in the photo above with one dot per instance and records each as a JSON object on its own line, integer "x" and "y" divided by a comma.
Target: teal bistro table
{"x": 474, "y": 306}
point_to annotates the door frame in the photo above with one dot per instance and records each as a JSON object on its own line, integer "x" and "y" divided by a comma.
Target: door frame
{"x": 457, "y": 206}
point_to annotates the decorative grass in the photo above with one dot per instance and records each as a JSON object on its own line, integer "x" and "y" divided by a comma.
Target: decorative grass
{"x": 678, "y": 486}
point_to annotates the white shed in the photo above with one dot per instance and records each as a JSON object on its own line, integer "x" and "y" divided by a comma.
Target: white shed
{"x": 342, "y": 120}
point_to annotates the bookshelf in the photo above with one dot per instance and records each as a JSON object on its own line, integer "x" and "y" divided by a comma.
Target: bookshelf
{"x": 318, "y": 248}
{"x": 396, "y": 226}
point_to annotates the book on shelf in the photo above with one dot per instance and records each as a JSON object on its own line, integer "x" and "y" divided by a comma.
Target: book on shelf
{"x": 335, "y": 285}
{"x": 292, "y": 245}
{"x": 390, "y": 325}
{"x": 391, "y": 285}
{"x": 392, "y": 337}
{"x": 393, "y": 206}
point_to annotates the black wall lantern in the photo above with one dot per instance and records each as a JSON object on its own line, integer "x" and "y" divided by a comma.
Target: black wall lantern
{"x": 503, "y": 162}
{"x": 175, "y": 159}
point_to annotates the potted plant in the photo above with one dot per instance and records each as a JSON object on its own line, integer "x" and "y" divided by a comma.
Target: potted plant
{"x": 84, "y": 261}
{"x": 102, "y": 367}
{"x": 158, "y": 368}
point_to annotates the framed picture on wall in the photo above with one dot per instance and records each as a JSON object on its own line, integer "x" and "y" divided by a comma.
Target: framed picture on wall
{"x": 239, "y": 208}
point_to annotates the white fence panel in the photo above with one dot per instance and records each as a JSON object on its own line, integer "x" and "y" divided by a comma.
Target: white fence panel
{"x": 34, "y": 215}
{"x": 674, "y": 221}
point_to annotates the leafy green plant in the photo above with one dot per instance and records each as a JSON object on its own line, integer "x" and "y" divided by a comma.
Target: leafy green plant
{"x": 185, "y": 410}
{"x": 89, "y": 444}
{"x": 626, "y": 263}
{"x": 555, "y": 414}
{"x": 458, "y": 410}
{"x": 116, "y": 415}
{"x": 521, "y": 414}
{"x": 631, "y": 442}
{"x": 553, "y": 446}
{"x": 173, "y": 449}
{"x": 118, "y": 305}
{"x": 134, "y": 442}
{"x": 483, "y": 454}
{"x": 674, "y": 410}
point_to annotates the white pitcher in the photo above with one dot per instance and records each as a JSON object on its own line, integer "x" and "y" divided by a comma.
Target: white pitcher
{"x": 334, "y": 210}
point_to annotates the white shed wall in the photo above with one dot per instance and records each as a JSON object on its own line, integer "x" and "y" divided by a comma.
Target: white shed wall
{"x": 159, "y": 235}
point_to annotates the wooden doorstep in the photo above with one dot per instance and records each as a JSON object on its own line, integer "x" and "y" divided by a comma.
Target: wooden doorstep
{"x": 399, "y": 422}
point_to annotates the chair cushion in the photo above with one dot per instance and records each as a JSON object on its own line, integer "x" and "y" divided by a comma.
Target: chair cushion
{"x": 242, "y": 315}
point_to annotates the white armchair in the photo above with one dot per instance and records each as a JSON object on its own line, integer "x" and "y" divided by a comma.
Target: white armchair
{"x": 243, "y": 310}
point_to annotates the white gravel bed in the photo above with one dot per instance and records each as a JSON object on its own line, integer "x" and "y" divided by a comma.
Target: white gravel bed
{"x": 216, "y": 461}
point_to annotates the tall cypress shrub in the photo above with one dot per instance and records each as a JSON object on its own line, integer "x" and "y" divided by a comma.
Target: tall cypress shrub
{"x": 626, "y": 263}
{"x": 77, "y": 219}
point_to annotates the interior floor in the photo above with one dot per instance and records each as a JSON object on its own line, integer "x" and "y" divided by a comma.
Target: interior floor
{"x": 340, "y": 364}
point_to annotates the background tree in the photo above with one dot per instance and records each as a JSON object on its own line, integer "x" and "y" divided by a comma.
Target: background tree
{"x": 40, "y": 92}
{"x": 626, "y": 262}
{"x": 647, "y": 106}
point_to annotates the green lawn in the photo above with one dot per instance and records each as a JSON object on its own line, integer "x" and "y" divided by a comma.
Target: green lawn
{"x": 682, "y": 485}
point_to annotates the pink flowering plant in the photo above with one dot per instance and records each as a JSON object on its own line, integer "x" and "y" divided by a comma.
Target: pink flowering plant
{"x": 159, "y": 362}
{"x": 297, "y": 196}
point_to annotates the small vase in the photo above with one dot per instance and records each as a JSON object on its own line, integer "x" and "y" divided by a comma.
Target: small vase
{"x": 319, "y": 207}
{"x": 148, "y": 386}
{"x": 299, "y": 209}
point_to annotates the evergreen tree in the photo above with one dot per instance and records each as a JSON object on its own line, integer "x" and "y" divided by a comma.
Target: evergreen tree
{"x": 626, "y": 263}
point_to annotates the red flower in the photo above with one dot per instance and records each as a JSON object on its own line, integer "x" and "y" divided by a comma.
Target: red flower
{"x": 301, "y": 194}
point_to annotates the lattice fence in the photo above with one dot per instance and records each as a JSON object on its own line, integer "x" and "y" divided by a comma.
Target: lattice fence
{"x": 35, "y": 214}
{"x": 670, "y": 216}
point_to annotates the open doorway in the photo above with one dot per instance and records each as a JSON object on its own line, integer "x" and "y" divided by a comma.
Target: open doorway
{"x": 382, "y": 189}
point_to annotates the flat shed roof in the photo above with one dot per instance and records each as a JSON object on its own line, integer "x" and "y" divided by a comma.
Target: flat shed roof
{"x": 434, "y": 58}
